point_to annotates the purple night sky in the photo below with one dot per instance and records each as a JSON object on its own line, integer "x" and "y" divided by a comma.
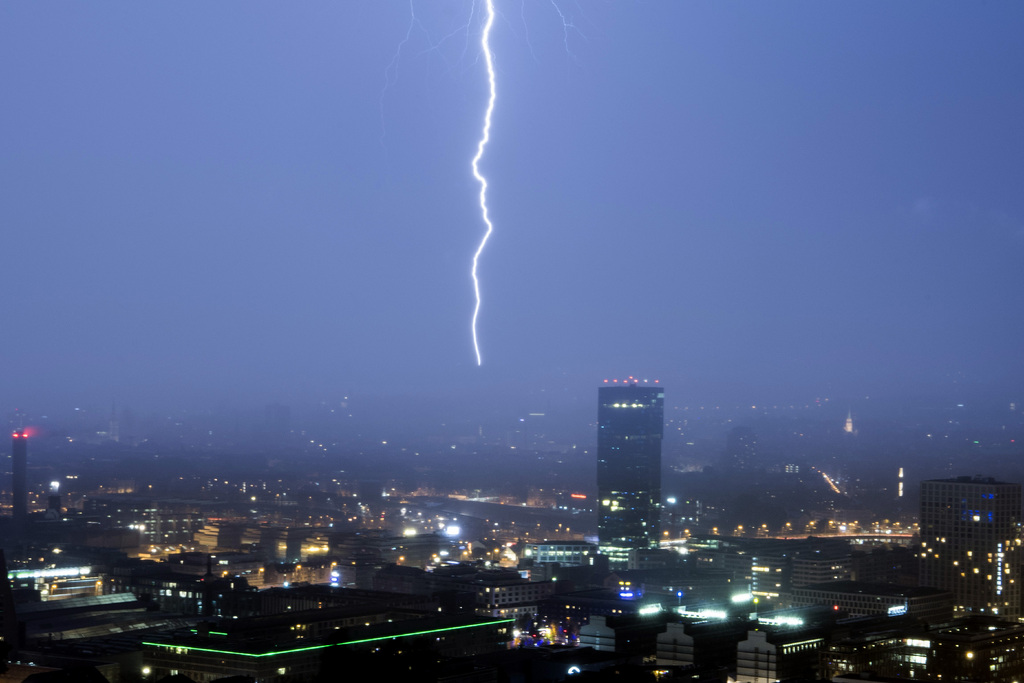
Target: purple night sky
{"x": 237, "y": 203}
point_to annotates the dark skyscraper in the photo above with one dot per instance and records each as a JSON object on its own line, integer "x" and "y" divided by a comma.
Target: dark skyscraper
{"x": 19, "y": 486}
{"x": 630, "y": 423}
{"x": 970, "y": 543}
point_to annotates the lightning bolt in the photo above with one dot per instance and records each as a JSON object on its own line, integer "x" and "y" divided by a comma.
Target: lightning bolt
{"x": 391, "y": 78}
{"x": 485, "y": 137}
{"x": 566, "y": 25}
{"x": 391, "y": 71}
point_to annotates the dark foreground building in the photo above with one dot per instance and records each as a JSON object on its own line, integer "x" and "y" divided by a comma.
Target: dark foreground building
{"x": 210, "y": 654}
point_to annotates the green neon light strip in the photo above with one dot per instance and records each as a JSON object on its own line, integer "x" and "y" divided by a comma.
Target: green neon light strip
{"x": 320, "y": 647}
{"x": 240, "y": 654}
{"x": 423, "y": 633}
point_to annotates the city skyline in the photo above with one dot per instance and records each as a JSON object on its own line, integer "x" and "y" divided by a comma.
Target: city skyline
{"x": 792, "y": 552}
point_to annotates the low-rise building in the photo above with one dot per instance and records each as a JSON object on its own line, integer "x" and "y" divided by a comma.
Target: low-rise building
{"x": 859, "y": 599}
{"x": 499, "y": 593}
{"x": 767, "y": 656}
{"x": 568, "y": 553}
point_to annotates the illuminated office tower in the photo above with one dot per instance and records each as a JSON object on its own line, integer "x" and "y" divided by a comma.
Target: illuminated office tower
{"x": 19, "y": 485}
{"x": 630, "y": 423}
{"x": 970, "y": 543}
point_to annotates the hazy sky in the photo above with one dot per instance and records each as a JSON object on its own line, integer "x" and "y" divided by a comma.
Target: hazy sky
{"x": 247, "y": 202}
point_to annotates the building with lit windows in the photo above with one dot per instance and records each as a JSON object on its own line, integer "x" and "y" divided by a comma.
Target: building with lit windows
{"x": 159, "y": 523}
{"x": 883, "y": 652}
{"x": 498, "y": 593}
{"x": 975, "y": 648}
{"x": 970, "y": 543}
{"x": 767, "y": 656}
{"x": 505, "y": 594}
{"x": 566, "y": 553}
{"x": 631, "y": 421}
{"x": 769, "y": 575}
{"x": 860, "y": 599}
{"x": 809, "y": 568}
